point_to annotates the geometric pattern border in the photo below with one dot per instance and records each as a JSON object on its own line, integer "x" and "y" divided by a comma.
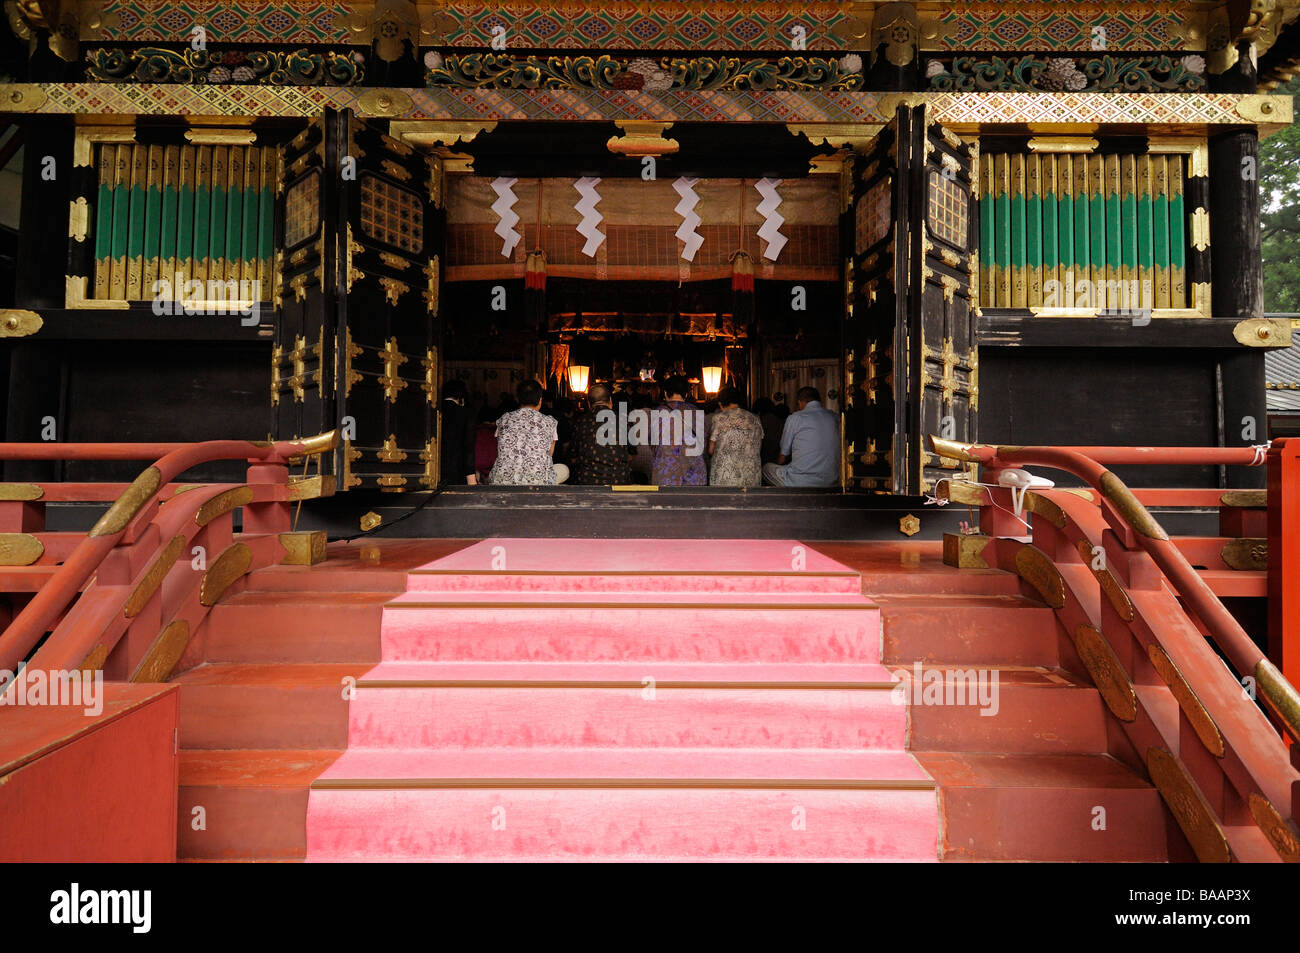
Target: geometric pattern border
{"x": 955, "y": 109}
{"x": 664, "y": 24}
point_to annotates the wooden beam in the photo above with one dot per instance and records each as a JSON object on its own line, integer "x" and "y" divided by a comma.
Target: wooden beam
{"x": 1021, "y": 329}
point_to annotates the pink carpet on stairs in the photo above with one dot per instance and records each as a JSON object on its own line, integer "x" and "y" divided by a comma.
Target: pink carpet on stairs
{"x": 643, "y": 700}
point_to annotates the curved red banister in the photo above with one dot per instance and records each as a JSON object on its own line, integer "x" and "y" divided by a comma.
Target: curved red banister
{"x": 39, "y": 615}
{"x": 88, "y": 451}
{"x": 1083, "y": 463}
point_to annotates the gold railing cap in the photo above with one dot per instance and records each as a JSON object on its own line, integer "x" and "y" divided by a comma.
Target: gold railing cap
{"x": 320, "y": 443}
{"x": 952, "y": 449}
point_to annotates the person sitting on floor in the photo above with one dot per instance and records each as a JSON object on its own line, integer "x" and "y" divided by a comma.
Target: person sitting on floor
{"x": 735, "y": 444}
{"x": 525, "y": 441}
{"x": 765, "y": 411}
{"x": 678, "y": 456}
{"x": 457, "y": 435}
{"x": 598, "y": 462}
{"x": 810, "y": 445}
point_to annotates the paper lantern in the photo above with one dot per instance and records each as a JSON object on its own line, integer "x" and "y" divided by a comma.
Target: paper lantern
{"x": 578, "y": 374}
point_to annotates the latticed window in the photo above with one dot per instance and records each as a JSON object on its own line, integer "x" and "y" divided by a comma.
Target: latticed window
{"x": 874, "y": 214}
{"x": 392, "y": 215}
{"x": 1090, "y": 232}
{"x": 948, "y": 209}
{"x": 302, "y": 210}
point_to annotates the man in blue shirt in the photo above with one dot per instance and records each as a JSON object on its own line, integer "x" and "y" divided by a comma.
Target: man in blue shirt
{"x": 810, "y": 445}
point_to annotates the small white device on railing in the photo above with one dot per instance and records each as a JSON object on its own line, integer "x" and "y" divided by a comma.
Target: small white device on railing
{"x": 1021, "y": 481}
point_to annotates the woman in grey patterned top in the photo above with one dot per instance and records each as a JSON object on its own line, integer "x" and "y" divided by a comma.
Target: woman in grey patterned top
{"x": 525, "y": 441}
{"x": 735, "y": 444}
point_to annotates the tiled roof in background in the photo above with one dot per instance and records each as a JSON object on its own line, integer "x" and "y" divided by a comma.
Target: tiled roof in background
{"x": 1282, "y": 378}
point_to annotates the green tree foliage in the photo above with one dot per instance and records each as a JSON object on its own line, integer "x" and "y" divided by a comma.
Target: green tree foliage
{"x": 1279, "y": 185}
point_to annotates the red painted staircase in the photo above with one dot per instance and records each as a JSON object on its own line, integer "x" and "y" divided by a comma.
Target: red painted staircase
{"x": 670, "y": 700}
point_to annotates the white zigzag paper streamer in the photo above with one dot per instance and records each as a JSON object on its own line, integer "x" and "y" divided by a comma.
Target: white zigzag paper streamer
{"x": 772, "y": 219}
{"x": 685, "y": 187}
{"x": 589, "y": 227}
{"x": 504, "y": 207}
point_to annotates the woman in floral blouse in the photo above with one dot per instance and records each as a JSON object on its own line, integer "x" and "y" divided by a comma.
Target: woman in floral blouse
{"x": 735, "y": 444}
{"x": 525, "y": 441}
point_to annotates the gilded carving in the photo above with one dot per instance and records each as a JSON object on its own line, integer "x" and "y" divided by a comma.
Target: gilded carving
{"x": 393, "y": 359}
{"x": 222, "y": 573}
{"x": 1106, "y": 672}
{"x": 20, "y": 549}
{"x": 1194, "y": 711}
{"x": 153, "y": 578}
{"x": 129, "y": 504}
{"x": 165, "y": 652}
{"x": 1189, "y": 807}
{"x": 390, "y": 452}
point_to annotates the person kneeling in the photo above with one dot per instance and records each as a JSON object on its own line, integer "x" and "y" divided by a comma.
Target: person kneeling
{"x": 525, "y": 442}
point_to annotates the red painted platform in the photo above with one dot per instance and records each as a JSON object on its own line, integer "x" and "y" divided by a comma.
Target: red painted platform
{"x": 78, "y": 787}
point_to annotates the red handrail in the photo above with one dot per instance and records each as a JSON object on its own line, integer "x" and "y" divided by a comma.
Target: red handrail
{"x": 89, "y": 451}
{"x": 1166, "y": 456}
{"x": 53, "y": 598}
{"x": 1125, "y": 510}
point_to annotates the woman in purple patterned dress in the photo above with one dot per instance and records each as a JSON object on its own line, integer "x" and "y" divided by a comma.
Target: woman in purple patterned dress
{"x": 679, "y": 450}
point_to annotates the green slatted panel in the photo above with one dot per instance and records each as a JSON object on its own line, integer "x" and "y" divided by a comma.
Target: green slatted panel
{"x": 1051, "y": 237}
{"x": 185, "y": 214}
{"x": 249, "y": 215}
{"x": 1114, "y": 249}
{"x": 170, "y": 195}
{"x": 1019, "y": 282}
{"x": 1160, "y": 236}
{"x": 152, "y": 222}
{"x": 233, "y": 252}
{"x": 1065, "y": 229}
{"x": 1096, "y": 230}
{"x": 988, "y": 247}
{"x": 157, "y": 214}
{"x": 136, "y": 226}
{"x": 105, "y": 160}
{"x": 202, "y": 212}
{"x": 1128, "y": 231}
{"x": 121, "y": 220}
{"x": 1034, "y": 229}
{"x": 1051, "y": 221}
{"x": 1177, "y": 235}
{"x": 217, "y": 222}
{"x": 1002, "y": 207}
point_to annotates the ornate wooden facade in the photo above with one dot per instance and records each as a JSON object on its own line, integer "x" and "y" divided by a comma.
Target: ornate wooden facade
{"x": 1048, "y": 227}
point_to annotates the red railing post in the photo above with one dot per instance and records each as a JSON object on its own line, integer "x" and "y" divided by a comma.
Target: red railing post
{"x": 1284, "y": 557}
{"x": 267, "y": 517}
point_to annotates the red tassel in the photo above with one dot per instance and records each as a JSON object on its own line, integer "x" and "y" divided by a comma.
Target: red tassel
{"x": 535, "y": 272}
{"x": 742, "y": 272}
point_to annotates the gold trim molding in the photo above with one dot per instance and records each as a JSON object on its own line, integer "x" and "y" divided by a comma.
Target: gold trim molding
{"x": 17, "y": 323}
{"x": 642, "y": 138}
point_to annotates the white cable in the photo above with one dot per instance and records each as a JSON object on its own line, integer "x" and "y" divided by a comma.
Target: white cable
{"x": 1261, "y": 453}
{"x": 989, "y": 486}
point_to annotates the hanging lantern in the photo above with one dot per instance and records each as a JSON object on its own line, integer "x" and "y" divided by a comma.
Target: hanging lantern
{"x": 712, "y": 377}
{"x": 578, "y": 375}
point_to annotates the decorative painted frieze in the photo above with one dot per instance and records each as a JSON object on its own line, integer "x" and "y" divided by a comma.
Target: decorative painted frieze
{"x": 1105, "y": 74}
